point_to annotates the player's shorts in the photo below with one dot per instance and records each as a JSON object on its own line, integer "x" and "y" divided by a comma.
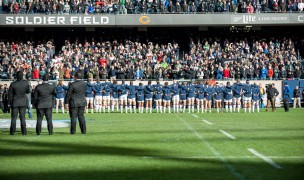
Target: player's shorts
{"x": 114, "y": 99}
{"x": 218, "y": 100}
{"x": 190, "y": 98}
{"x": 131, "y": 99}
{"x": 106, "y": 97}
{"x": 247, "y": 99}
{"x": 175, "y": 98}
{"x": 148, "y": 99}
{"x": 228, "y": 100}
{"x": 158, "y": 100}
{"x": 166, "y": 100}
{"x": 237, "y": 99}
{"x": 98, "y": 98}
{"x": 89, "y": 98}
{"x": 123, "y": 97}
{"x": 60, "y": 99}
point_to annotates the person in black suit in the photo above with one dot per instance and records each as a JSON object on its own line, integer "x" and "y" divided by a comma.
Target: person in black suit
{"x": 18, "y": 102}
{"x": 77, "y": 102}
{"x": 43, "y": 102}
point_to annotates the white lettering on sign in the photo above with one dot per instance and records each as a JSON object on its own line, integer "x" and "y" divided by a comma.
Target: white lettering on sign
{"x": 56, "y": 20}
{"x": 301, "y": 18}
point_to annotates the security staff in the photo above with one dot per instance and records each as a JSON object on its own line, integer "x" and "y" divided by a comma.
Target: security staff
{"x": 18, "y": 102}
{"x": 43, "y": 102}
{"x": 286, "y": 96}
{"x": 272, "y": 93}
{"x": 77, "y": 102}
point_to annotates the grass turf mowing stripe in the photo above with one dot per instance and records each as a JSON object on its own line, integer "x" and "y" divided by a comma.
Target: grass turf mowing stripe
{"x": 194, "y": 115}
{"x": 213, "y": 150}
{"x": 215, "y": 157}
{"x": 267, "y": 159}
{"x": 227, "y": 134}
{"x": 207, "y": 122}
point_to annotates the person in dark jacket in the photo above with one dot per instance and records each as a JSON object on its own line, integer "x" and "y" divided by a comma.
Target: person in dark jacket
{"x": 43, "y": 101}
{"x": 77, "y": 103}
{"x": 18, "y": 102}
{"x": 272, "y": 93}
{"x": 296, "y": 97}
{"x": 286, "y": 96}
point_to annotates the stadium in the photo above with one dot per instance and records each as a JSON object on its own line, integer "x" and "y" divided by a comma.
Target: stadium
{"x": 174, "y": 89}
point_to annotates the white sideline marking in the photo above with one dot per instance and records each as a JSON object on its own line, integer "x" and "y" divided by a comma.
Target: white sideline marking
{"x": 214, "y": 151}
{"x": 207, "y": 122}
{"x": 194, "y": 115}
{"x": 215, "y": 157}
{"x": 227, "y": 134}
{"x": 267, "y": 159}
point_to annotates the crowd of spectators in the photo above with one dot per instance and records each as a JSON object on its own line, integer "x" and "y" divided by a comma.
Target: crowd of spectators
{"x": 207, "y": 58}
{"x": 148, "y": 6}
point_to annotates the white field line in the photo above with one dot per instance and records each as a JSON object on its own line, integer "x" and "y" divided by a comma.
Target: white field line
{"x": 266, "y": 159}
{"x": 213, "y": 150}
{"x": 227, "y": 134}
{"x": 194, "y": 115}
{"x": 207, "y": 122}
{"x": 215, "y": 157}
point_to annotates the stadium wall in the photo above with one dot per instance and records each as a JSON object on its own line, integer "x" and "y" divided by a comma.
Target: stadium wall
{"x": 146, "y": 20}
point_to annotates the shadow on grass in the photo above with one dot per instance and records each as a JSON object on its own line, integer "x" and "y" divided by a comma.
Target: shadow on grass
{"x": 208, "y": 169}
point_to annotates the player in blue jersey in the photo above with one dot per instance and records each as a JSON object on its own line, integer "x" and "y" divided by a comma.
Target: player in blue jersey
{"x": 167, "y": 97}
{"x": 106, "y": 92}
{"x": 237, "y": 93}
{"x": 140, "y": 97}
{"x": 247, "y": 96}
{"x": 97, "y": 88}
{"x": 191, "y": 96}
{"x": 183, "y": 96}
{"x": 175, "y": 96}
{"x": 218, "y": 96}
{"x": 115, "y": 95}
{"x": 89, "y": 95}
{"x": 158, "y": 92}
{"x": 208, "y": 97}
{"x": 200, "y": 91}
{"x": 131, "y": 96}
{"x": 228, "y": 91}
{"x": 256, "y": 97}
{"x": 60, "y": 93}
{"x": 123, "y": 96}
{"x": 148, "y": 96}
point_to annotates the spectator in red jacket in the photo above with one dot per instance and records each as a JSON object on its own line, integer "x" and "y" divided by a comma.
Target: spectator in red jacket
{"x": 270, "y": 73}
{"x": 36, "y": 73}
{"x": 226, "y": 73}
{"x": 103, "y": 62}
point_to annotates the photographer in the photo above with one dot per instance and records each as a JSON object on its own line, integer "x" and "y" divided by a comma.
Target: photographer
{"x": 272, "y": 93}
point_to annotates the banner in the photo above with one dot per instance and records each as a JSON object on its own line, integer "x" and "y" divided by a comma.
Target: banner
{"x": 138, "y": 20}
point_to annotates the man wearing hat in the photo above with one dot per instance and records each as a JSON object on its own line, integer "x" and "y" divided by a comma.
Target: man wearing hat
{"x": 286, "y": 96}
{"x": 272, "y": 93}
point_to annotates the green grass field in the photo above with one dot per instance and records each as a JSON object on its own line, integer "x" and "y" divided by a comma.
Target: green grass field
{"x": 161, "y": 146}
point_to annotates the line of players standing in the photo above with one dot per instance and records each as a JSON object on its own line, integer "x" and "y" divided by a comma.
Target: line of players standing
{"x": 108, "y": 97}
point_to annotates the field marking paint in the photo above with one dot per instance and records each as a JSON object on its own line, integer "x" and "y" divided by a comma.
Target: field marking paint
{"x": 194, "y": 115}
{"x": 207, "y": 122}
{"x": 227, "y": 134}
{"x": 215, "y": 157}
{"x": 266, "y": 159}
{"x": 213, "y": 150}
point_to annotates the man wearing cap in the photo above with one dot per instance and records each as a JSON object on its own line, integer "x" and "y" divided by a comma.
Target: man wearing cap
{"x": 272, "y": 93}
{"x": 43, "y": 101}
{"x": 286, "y": 96}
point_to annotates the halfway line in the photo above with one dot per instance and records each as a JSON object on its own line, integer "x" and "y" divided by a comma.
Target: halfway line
{"x": 268, "y": 160}
{"x": 227, "y": 134}
{"x": 207, "y": 122}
